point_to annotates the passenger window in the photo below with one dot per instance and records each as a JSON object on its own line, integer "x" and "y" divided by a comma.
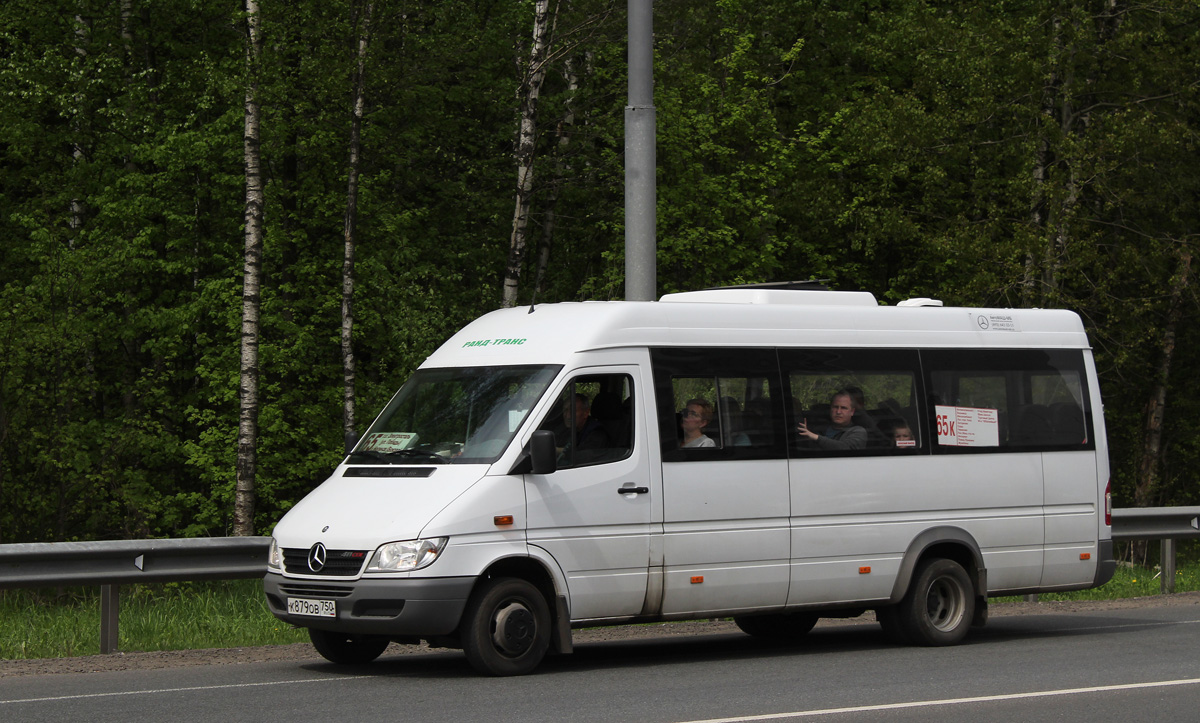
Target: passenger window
{"x": 718, "y": 403}
{"x": 853, "y": 401}
{"x": 1008, "y": 399}
{"x": 592, "y": 420}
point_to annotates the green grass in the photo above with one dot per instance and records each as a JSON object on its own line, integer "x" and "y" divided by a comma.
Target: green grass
{"x": 171, "y": 616}
{"x": 1128, "y": 581}
{"x": 233, "y": 614}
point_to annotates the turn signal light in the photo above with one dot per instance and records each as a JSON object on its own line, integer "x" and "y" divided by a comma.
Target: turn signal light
{"x": 503, "y": 519}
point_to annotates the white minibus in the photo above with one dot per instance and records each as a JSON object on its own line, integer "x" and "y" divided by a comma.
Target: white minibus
{"x": 770, "y": 455}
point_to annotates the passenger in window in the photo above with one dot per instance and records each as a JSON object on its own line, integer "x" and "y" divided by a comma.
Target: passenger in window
{"x": 843, "y": 433}
{"x": 693, "y": 419}
{"x": 589, "y": 432}
{"x": 902, "y": 435}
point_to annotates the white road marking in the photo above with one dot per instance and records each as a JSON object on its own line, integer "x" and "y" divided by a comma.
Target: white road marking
{"x": 950, "y": 701}
{"x": 181, "y": 690}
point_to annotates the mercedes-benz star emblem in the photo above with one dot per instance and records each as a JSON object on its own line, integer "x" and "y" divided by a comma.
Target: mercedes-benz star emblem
{"x": 316, "y": 557}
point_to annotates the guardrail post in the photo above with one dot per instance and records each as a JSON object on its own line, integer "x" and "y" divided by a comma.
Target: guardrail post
{"x": 1166, "y": 565}
{"x": 110, "y": 605}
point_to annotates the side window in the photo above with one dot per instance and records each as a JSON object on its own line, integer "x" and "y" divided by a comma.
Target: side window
{"x": 722, "y": 411}
{"x": 718, "y": 403}
{"x": 1008, "y": 399}
{"x": 592, "y": 420}
{"x": 853, "y": 401}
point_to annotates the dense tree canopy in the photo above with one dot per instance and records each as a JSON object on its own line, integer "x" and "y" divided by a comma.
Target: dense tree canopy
{"x": 1011, "y": 153}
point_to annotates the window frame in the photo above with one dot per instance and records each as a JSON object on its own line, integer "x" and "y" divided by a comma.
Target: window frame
{"x": 570, "y": 387}
{"x": 1010, "y": 363}
{"x": 670, "y": 363}
{"x": 864, "y": 360}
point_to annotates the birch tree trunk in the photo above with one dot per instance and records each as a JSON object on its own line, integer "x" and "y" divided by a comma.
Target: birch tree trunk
{"x": 247, "y": 453}
{"x": 348, "y": 371}
{"x": 527, "y": 100}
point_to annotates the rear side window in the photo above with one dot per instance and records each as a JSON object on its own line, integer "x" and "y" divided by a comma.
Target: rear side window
{"x": 997, "y": 400}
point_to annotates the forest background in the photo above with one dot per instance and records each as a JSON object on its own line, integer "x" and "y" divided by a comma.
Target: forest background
{"x": 225, "y": 226}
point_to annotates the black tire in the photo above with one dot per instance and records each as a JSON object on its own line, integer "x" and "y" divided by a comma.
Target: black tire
{"x": 939, "y": 605}
{"x": 347, "y": 648}
{"x": 777, "y": 626}
{"x": 506, "y": 627}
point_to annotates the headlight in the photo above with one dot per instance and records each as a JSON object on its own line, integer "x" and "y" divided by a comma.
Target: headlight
{"x": 275, "y": 556}
{"x": 407, "y": 555}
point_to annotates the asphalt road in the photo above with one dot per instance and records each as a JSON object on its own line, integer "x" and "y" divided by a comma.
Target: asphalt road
{"x": 1095, "y": 663}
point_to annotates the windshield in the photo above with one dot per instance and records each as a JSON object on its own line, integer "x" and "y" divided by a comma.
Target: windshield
{"x": 461, "y": 415}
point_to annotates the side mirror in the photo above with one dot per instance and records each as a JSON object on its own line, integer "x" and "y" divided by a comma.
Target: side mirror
{"x": 542, "y": 452}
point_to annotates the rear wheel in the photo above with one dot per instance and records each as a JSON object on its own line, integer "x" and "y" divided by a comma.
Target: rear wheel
{"x": 506, "y": 627}
{"x": 777, "y": 626}
{"x": 346, "y": 648}
{"x": 940, "y": 604}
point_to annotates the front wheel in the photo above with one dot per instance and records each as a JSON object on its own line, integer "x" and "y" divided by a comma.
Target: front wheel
{"x": 506, "y": 627}
{"x": 345, "y": 648}
{"x": 940, "y": 604}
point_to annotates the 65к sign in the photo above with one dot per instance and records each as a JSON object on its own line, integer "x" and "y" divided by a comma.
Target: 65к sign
{"x": 967, "y": 426}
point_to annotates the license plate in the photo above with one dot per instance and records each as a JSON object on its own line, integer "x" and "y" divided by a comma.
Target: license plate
{"x": 312, "y": 608}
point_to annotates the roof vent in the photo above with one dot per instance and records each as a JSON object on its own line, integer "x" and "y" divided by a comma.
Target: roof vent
{"x": 922, "y": 301}
{"x": 774, "y": 297}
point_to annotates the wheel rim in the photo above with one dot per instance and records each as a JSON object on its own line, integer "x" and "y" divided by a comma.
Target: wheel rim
{"x": 945, "y": 604}
{"x": 514, "y": 628}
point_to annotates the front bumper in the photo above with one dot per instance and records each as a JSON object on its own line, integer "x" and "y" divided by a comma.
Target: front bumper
{"x": 420, "y": 607}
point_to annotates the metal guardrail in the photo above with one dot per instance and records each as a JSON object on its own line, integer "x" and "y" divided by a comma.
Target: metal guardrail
{"x": 1158, "y": 523}
{"x": 118, "y": 562}
{"x": 112, "y": 563}
{"x": 1148, "y": 523}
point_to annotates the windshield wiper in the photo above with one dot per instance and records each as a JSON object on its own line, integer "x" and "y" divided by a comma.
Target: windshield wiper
{"x": 397, "y": 454}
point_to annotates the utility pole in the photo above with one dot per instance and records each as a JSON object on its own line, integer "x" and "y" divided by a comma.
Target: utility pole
{"x": 641, "y": 274}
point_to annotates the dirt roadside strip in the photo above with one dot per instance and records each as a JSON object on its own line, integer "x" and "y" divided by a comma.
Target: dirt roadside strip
{"x": 305, "y": 652}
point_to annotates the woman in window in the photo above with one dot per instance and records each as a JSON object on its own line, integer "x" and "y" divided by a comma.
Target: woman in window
{"x": 694, "y": 418}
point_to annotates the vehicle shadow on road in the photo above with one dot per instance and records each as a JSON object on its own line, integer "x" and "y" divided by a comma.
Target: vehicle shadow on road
{"x": 625, "y": 654}
{"x": 644, "y": 651}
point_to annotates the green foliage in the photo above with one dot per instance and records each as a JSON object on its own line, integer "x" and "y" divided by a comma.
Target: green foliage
{"x": 170, "y": 616}
{"x": 1016, "y": 153}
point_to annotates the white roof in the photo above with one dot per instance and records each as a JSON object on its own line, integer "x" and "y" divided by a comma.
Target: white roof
{"x": 551, "y": 333}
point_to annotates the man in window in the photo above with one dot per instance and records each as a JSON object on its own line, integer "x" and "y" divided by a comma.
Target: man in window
{"x": 843, "y": 434}
{"x": 589, "y": 433}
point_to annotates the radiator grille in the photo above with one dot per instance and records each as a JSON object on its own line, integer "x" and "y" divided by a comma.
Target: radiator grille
{"x": 338, "y": 563}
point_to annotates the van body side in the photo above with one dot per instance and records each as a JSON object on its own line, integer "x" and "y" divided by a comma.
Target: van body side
{"x": 774, "y": 456}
